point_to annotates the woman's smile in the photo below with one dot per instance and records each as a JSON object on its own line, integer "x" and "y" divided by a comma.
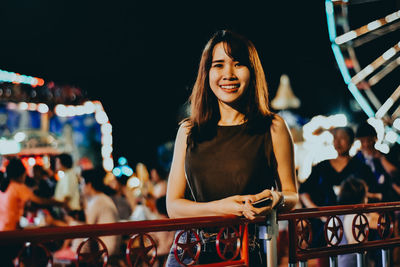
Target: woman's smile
{"x": 230, "y": 88}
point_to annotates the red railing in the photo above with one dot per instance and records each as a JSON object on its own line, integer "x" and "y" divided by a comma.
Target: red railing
{"x": 141, "y": 248}
{"x": 138, "y": 235}
{"x": 300, "y": 235}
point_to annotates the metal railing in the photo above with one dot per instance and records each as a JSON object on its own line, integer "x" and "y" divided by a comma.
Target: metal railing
{"x": 232, "y": 237}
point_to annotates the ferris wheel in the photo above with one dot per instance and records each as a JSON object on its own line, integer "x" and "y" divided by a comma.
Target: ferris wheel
{"x": 365, "y": 37}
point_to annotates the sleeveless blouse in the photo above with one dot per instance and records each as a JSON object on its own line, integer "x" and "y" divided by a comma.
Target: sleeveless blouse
{"x": 234, "y": 162}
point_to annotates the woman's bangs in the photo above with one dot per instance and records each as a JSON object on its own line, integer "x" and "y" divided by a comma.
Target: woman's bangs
{"x": 238, "y": 51}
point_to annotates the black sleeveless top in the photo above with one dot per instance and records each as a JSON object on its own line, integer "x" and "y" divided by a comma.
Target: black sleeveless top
{"x": 235, "y": 161}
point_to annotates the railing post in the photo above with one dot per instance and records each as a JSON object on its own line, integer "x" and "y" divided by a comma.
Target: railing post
{"x": 303, "y": 264}
{"x": 292, "y": 243}
{"x": 271, "y": 235}
{"x": 385, "y": 258}
{"x": 245, "y": 243}
{"x": 333, "y": 261}
{"x": 360, "y": 260}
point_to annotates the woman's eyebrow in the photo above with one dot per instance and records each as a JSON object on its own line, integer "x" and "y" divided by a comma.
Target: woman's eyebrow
{"x": 218, "y": 61}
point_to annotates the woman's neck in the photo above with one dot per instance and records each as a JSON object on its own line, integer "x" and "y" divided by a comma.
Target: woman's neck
{"x": 229, "y": 115}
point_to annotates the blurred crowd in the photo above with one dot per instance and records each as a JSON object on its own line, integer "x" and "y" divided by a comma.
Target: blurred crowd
{"x": 68, "y": 196}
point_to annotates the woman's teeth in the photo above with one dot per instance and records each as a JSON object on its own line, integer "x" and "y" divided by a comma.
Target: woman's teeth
{"x": 230, "y": 86}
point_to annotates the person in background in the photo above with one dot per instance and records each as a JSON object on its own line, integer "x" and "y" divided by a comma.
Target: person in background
{"x": 118, "y": 184}
{"x": 232, "y": 150}
{"x": 70, "y": 246}
{"x": 67, "y": 188}
{"x": 14, "y": 194}
{"x": 321, "y": 187}
{"x": 44, "y": 185}
{"x": 352, "y": 191}
{"x": 159, "y": 179}
{"x": 99, "y": 207}
{"x": 385, "y": 171}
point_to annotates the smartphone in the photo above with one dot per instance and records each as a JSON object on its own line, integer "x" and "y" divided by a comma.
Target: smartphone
{"x": 262, "y": 202}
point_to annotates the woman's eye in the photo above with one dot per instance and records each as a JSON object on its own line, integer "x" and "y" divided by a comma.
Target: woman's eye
{"x": 217, "y": 65}
{"x": 238, "y": 64}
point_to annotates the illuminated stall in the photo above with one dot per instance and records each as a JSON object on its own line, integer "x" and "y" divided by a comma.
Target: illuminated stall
{"x": 39, "y": 120}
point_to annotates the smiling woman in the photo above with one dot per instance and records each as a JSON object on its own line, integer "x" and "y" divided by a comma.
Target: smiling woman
{"x": 226, "y": 154}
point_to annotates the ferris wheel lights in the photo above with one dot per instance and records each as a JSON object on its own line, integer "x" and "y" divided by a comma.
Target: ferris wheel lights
{"x": 389, "y": 53}
{"x": 379, "y": 127}
{"x": 388, "y": 103}
{"x": 391, "y": 137}
{"x": 396, "y": 123}
{"x": 382, "y": 147}
{"x": 345, "y": 37}
{"x": 392, "y": 17}
{"x": 374, "y": 25}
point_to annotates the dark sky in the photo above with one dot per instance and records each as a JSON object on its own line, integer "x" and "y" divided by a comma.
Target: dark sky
{"x": 139, "y": 58}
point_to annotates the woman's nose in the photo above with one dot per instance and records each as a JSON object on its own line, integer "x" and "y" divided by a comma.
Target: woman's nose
{"x": 229, "y": 73}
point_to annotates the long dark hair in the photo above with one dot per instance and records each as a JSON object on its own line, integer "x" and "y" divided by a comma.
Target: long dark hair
{"x": 203, "y": 103}
{"x": 14, "y": 170}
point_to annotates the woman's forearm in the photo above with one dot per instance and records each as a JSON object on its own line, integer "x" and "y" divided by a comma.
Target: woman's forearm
{"x": 181, "y": 208}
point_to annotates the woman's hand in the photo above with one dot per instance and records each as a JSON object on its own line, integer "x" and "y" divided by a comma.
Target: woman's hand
{"x": 233, "y": 205}
{"x": 250, "y": 211}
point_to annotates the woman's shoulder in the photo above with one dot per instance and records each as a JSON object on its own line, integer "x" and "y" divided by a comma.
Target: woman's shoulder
{"x": 278, "y": 125}
{"x": 184, "y": 130}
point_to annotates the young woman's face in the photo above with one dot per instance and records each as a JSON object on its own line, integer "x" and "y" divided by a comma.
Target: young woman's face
{"x": 228, "y": 78}
{"x": 341, "y": 142}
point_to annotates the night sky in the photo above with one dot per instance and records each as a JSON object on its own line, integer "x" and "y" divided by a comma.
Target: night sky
{"x": 139, "y": 58}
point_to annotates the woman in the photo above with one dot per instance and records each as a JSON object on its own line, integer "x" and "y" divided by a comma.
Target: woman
{"x": 232, "y": 149}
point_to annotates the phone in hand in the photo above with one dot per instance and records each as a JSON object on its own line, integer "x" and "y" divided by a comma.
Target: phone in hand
{"x": 262, "y": 202}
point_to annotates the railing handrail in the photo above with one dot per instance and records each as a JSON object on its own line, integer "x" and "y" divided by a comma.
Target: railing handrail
{"x": 339, "y": 210}
{"x": 129, "y": 227}
{"x": 44, "y": 234}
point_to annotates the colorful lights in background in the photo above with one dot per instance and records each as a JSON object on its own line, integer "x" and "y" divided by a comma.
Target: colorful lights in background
{"x": 12, "y": 77}
{"x": 82, "y": 118}
{"x": 48, "y": 119}
{"x": 123, "y": 168}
